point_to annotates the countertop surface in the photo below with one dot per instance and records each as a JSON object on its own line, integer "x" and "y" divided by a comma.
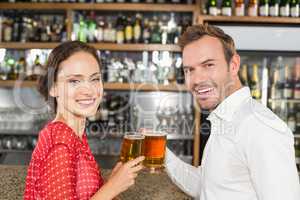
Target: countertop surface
{"x": 147, "y": 186}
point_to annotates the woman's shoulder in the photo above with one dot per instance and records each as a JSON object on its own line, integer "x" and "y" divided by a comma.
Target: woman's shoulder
{"x": 54, "y": 133}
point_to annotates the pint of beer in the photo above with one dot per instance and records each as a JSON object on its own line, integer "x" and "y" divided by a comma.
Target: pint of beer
{"x": 154, "y": 149}
{"x": 132, "y": 146}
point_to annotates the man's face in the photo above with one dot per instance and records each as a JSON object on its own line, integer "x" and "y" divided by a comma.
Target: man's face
{"x": 207, "y": 73}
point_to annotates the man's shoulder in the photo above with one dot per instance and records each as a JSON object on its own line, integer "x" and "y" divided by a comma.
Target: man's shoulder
{"x": 256, "y": 116}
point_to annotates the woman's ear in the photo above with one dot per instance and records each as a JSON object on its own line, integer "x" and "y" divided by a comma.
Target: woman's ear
{"x": 53, "y": 91}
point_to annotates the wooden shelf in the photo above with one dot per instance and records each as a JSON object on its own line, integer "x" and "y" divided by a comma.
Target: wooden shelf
{"x": 100, "y": 6}
{"x": 28, "y": 45}
{"x": 12, "y": 83}
{"x": 297, "y": 136}
{"x": 144, "y": 87}
{"x": 107, "y": 86}
{"x": 247, "y": 19}
{"x": 285, "y": 100}
{"x": 100, "y": 46}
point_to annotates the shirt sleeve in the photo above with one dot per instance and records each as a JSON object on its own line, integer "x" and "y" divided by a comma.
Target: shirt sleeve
{"x": 58, "y": 178}
{"x": 272, "y": 166}
{"x": 185, "y": 176}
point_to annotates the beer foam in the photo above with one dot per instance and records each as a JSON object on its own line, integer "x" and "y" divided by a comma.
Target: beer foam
{"x": 134, "y": 137}
{"x": 154, "y": 134}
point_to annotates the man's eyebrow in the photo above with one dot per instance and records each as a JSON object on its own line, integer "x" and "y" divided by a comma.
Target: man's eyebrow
{"x": 95, "y": 74}
{"x": 200, "y": 63}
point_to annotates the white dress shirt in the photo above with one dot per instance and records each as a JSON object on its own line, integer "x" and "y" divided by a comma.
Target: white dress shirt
{"x": 249, "y": 156}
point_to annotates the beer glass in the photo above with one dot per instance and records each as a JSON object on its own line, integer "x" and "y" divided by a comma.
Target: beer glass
{"x": 154, "y": 149}
{"x": 132, "y": 146}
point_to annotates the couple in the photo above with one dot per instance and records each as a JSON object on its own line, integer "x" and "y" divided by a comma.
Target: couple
{"x": 249, "y": 155}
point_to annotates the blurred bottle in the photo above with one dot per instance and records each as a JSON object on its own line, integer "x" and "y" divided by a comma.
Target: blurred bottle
{"x": 155, "y": 31}
{"x": 128, "y": 30}
{"x": 292, "y": 120}
{"x": 274, "y": 8}
{"x": 146, "y": 31}
{"x": 252, "y": 8}
{"x": 264, "y": 8}
{"x": 226, "y": 8}
{"x": 244, "y": 75}
{"x": 239, "y": 9}
{"x": 275, "y": 87}
{"x": 91, "y": 27}
{"x": 120, "y": 30}
{"x": 288, "y": 83}
{"x": 255, "y": 83}
{"x": 297, "y": 79}
{"x": 284, "y": 8}
{"x": 212, "y": 7}
{"x": 294, "y": 8}
{"x": 137, "y": 28}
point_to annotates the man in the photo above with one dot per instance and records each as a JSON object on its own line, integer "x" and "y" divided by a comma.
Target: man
{"x": 250, "y": 153}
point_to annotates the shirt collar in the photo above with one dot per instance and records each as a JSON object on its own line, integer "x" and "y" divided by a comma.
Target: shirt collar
{"x": 230, "y": 104}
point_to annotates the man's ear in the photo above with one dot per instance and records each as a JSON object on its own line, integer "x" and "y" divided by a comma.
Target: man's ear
{"x": 53, "y": 91}
{"x": 235, "y": 64}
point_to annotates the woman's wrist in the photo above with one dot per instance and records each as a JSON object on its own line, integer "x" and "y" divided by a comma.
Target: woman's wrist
{"x": 106, "y": 192}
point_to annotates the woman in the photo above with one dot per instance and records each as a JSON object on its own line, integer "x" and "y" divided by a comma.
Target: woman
{"x": 62, "y": 166}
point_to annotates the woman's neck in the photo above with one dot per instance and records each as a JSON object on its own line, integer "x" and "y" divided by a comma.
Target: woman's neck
{"x": 75, "y": 122}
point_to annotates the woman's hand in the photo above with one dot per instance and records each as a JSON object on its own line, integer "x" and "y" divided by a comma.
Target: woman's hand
{"x": 121, "y": 178}
{"x": 123, "y": 175}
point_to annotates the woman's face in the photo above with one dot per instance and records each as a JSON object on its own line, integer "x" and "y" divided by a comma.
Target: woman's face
{"x": 78, "y": 90}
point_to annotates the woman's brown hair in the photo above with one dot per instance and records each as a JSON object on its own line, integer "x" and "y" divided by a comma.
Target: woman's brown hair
{"x": 56, "y": 57}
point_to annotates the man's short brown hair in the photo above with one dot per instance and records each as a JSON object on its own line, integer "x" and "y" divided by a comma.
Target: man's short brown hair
{"x": 196, "y": 32}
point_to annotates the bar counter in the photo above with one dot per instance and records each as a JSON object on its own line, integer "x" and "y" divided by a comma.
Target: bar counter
{"x": 147, "y": 186}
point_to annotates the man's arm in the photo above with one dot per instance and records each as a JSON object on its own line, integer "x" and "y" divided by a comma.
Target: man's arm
{"x": 185, "y": 176}
{"x": 271, "y": 161}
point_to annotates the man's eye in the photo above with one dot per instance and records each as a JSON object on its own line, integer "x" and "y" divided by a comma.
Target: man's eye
{"x": 187, "y": 70}
{"x": 209, "y": 65}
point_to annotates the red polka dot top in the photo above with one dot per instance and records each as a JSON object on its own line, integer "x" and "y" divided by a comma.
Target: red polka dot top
{"x": 62, "y": 166}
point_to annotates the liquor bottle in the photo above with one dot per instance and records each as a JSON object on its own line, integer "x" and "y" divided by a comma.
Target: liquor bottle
{"x": 82, "y": 34}
{"x": 274, "y": 8}
{"x": 212, "y": 7}
{"x": 288, "y": 84}
{"x": 146, "y": 31}
{"x": 284, "y": 8}
{"x": 171, "y": 29}
{"x": 239, "y": 9}
{"x": 137, "y": 28}
{"x": 263, "y": 7}
{"x": 17, "y": 26}
{"x": 252, "y": 8}
{"x": 297, "y": 79}
{"x": 155, "y": 31}
{"x": 7, "y": 29}
{"x": 294, "y": 8}
{"x": 226, "y": 8}
{"x": 20, "y": 67}
{"x": 100, "y": 29}
{"x": 255, "y": 83}
{"x": 38, "y": 68}
{"x": 275, "y": 92}
{"x": 291, "y": 120}
{"x": 297, "y": 110}
{"x": 243, "y": 74}
{"x": 91, "y": 27}
{"x": 128, "y": 30}
{"x": 120, "y": 30}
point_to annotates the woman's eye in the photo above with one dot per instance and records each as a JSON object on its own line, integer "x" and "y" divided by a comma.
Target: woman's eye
{"x": 73, "y": 81}
{"x": 96, "y": 79}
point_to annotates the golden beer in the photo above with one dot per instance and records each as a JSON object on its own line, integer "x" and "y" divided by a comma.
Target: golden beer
{"x": 154, "y": 149}
{"x": 132, "y": 147}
